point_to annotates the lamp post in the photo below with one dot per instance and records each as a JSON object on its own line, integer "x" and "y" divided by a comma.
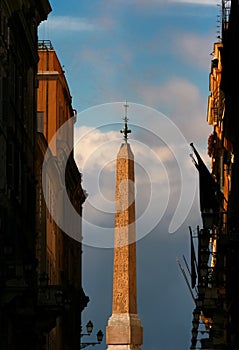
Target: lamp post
{"x": 89, "y": 329}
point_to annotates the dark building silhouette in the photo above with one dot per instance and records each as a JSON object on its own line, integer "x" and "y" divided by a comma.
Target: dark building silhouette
{"x": 19, "y": 21}
{"x": 215, "y": 318}
{"x": 41, "y": 295}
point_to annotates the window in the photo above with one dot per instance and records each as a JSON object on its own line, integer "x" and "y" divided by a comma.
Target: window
{"x": 40, "y": 122}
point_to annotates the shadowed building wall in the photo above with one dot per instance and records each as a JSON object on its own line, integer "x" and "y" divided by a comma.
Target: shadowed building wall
{"x": 19, "y": 21}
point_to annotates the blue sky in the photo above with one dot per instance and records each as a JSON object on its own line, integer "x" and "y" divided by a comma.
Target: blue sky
{"x": 155, "y": 54}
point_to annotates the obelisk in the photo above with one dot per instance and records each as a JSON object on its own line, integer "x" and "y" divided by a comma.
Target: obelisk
{"x": 124, "y": 330}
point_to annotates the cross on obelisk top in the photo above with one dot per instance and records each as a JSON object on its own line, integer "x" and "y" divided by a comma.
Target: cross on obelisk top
{"x": 125, "y": 131}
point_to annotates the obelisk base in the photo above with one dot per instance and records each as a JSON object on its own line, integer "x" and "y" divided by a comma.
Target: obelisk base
{"x": 124, "y": 332}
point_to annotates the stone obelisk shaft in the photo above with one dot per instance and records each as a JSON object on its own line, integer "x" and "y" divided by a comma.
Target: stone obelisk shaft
{"x": 124, "y": 329}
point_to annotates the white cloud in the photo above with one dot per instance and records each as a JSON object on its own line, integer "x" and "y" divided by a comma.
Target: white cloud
{"x": 182, "y": 102}
{"x": 156, "y": 168}
{"x": 111, "y": 59}
{"x": 96, "y": 151}
{"x": 160, "y": 2}
{"x": 197, "y": 2}
{"x": 194, "y": 49}
{"x": 95, "y": 55}
{"x": 78, "y": 24}
{"x": 91, "y": 147}
{"x": 68, "y": 23}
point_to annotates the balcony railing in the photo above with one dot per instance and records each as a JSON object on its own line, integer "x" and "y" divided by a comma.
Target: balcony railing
{"x": 45, "y": 45}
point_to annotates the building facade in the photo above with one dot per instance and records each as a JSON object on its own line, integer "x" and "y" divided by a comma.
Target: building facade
{"x": 218, "y": 241}
{"x": 19, "y": 21}
{"x": 58, "y": 253}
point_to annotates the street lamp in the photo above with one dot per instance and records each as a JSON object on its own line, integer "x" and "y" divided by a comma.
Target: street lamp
{"x": 89, "y": 329}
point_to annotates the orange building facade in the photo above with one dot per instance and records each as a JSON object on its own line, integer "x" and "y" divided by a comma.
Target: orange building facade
{"x": 58, "y": 254}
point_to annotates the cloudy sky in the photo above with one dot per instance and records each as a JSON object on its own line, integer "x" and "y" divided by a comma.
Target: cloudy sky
{"x": 155, "y": 54}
